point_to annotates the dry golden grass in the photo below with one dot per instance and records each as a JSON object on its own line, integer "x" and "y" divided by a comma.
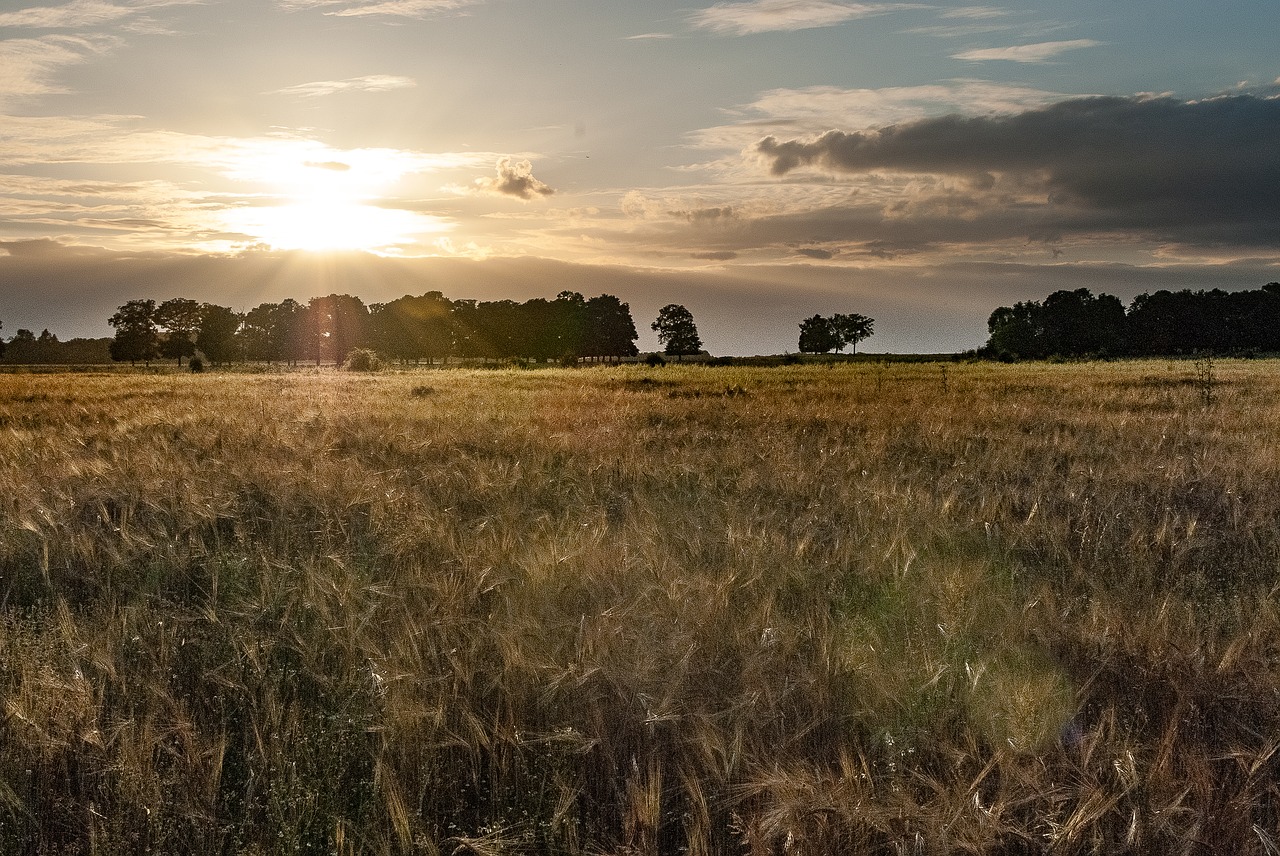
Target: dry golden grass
{"x": 804, "y": 610}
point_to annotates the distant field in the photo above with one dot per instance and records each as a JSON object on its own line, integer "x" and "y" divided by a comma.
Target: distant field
{"x": 867, "y": 608}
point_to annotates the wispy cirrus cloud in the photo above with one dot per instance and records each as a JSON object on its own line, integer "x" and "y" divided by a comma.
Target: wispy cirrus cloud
{"x": 763, "y": 16}
{"x": 367, "y": 83}
{"x": 1041, "y": 52}
{"x": 387, "y": 8}
{"x": 975, "y": 12}
{"x": 28, "y": 67}
{"x": 82, "y": 13}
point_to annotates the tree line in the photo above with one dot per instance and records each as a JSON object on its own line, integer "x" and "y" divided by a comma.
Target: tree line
{"x": 429, "y": 328}
{"x": 1167, "y": 323}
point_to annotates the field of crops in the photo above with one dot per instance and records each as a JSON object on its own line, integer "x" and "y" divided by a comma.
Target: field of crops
{"x": 867, "y": 608}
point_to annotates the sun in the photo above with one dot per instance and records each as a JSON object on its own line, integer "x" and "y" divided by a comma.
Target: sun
{"x": 332, "y": 225}
{"x": 322, "y": 200}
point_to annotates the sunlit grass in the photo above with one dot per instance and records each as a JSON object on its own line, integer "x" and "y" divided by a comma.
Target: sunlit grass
{"x": 865, "y": 608}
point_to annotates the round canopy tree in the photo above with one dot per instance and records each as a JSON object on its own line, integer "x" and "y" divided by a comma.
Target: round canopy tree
{"x": 677, "y": 333}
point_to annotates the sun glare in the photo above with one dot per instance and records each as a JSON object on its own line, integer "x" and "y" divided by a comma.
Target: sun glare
{"x": 328, "y": 200}
{"x": 332, "y": 225}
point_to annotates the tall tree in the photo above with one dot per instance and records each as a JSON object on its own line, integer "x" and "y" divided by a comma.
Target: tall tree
{"x": 569, "y": 324}
{"x": 1014, "y": 331}
{"x": 818, "y": 336}
{"x": 339, "y": 325}
{"x": 216, "y": 338}
{"x": 179, "y": 318}
{"x": 136, "y": 335}
{"x": 677, "y": 332}
{"x": 610, "y": 329}
{"x": 851, "y": 329}
{"x": 1, "y": 343}
{"x": 1074, "y": 323}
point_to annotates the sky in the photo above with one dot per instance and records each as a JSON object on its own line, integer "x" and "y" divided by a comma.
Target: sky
{"x": 756, "y": 161}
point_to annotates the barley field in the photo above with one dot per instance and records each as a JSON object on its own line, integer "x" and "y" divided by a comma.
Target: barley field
{"x": 865, "y": 608}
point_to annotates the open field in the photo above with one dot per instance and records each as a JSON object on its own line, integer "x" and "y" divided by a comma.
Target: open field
{"x": 932, "y": 608}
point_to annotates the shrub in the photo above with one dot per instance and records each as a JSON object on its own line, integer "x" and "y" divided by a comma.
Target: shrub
{"x": 364, "y": 360}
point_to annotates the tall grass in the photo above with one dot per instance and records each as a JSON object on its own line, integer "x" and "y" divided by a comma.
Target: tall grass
{"x": 871, "y": 609}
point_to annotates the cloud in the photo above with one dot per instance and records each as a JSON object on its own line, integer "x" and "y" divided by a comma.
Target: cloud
{"x": 975, "y": 12}
{"x": 515, "y": 178}
{"x": 814, "y": 109}
{"x": 368, "y": 83}
{"x": 82, "y": 13}
{"x": 390, "y": 8}
{"x": 762, "y": 16}
{"x": 715, "y": 256}
{"x": 28, "y": 66}
{"x": 815, "y": 253}
{"x": 1201, "y": 172}
{"x": 1042, "y": 52}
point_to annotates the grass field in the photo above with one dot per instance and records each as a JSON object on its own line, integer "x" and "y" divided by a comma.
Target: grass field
{"x": 873, "y": 609}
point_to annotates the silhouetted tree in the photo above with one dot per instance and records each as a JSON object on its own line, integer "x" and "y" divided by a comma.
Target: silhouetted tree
{"x": 818, "y": 336}
{"x": 1067, "y": 323}
{"x": 413, "y": 328}
{"x": 339, "y": 323}
{"x": 677, "y": 332}
{"x": 610, "y": 329}
{"x": 1184, "y": 322}
{"x": 136, "y": 335}
{"x": 2, "y": 345}
{"x": 216, "y": 337}
{"x": 851, "y": 329}
{"x": 179, "y": 318}
{"x": 569, "y": 324}
{"x": 1076, "y": 323}
{"x": 1013, "y": 331}
{"x": 22, "y": 348}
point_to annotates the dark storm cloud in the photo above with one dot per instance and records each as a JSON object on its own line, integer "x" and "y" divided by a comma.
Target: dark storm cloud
{"x": 1208, "y": 168}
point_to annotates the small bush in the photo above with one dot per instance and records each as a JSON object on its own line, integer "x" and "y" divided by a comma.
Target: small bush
{"x": 364, "y": 360}
{"x": 655, "y": 360}
{"x": 196, "y": 365}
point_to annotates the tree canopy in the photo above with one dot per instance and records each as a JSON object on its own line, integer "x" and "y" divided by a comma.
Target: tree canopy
{"x": 137, "y": 337}
{"x": 677, "y": 332}
{"x": 821, "y": 335}
{"x": 426, "y": 327}
{"x": 1078, "y": 323}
